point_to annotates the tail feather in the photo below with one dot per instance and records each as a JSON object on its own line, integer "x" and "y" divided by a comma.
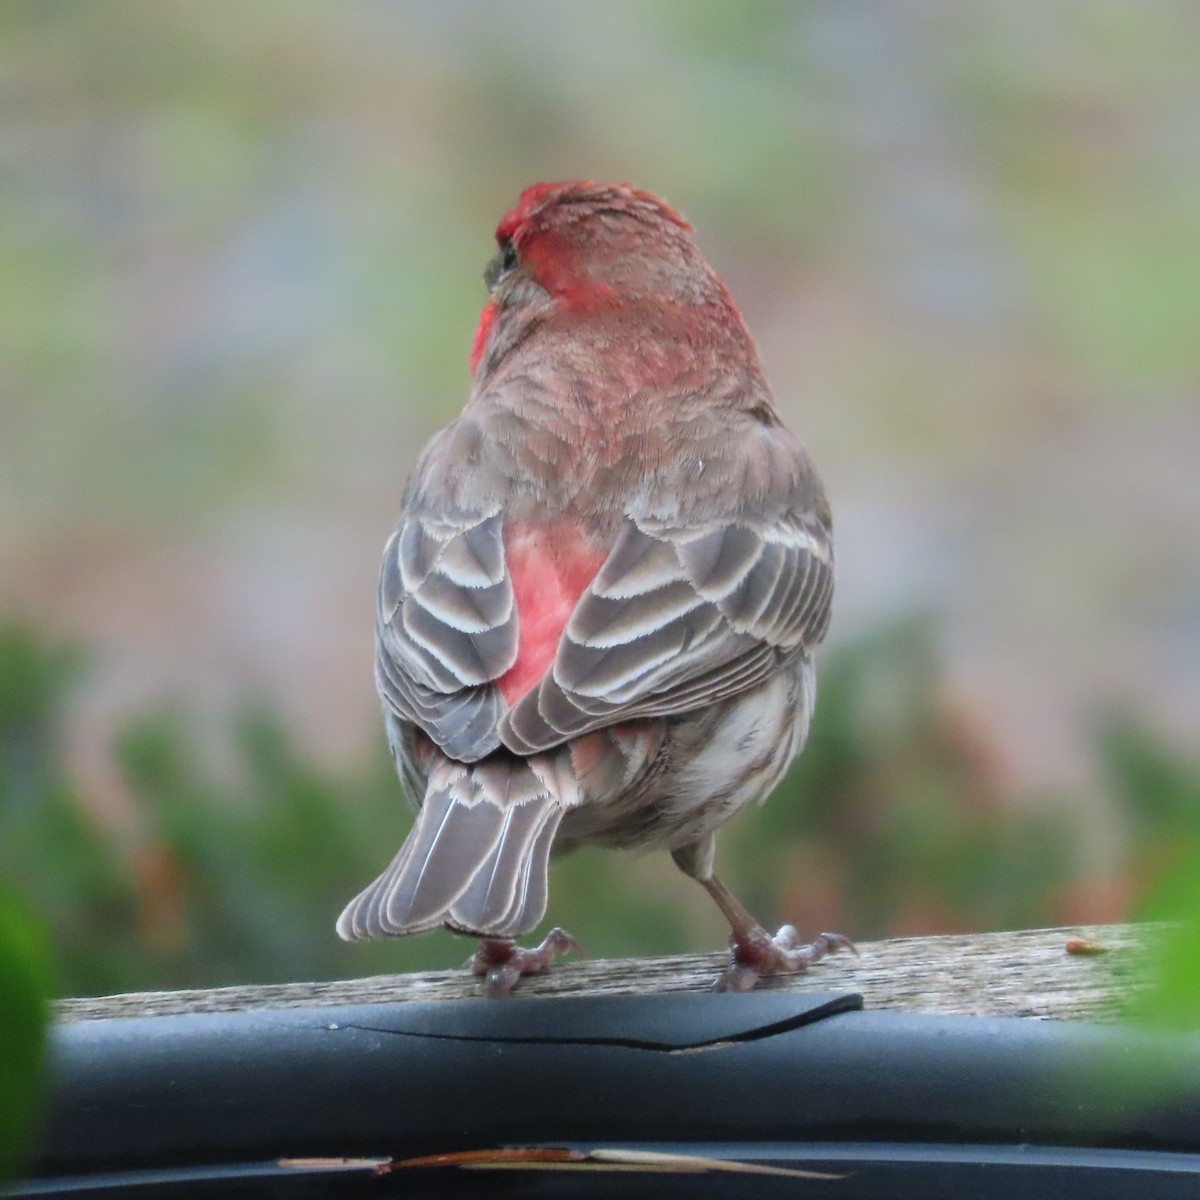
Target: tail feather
{"x": 498, "y": 897}
{"x": 535, "y": 884}
{"x": 448, "y": 841}
{"x": 477, "y": 858}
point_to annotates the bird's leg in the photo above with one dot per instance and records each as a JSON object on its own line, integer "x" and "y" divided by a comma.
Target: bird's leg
{"x": 504, "y": 962}
{"x": 755, "y": 951}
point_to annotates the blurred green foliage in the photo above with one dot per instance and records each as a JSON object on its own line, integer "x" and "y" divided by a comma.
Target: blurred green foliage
{"x": 222, "y": 875}
{"x": 24, "y": 988}
{"x": 1158, "y": 790}
{"x": 899, "y": 807}
{"x": 896, "y": 819}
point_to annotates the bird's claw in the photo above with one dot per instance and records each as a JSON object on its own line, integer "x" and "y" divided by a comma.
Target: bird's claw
{"x": 504, "y": 962}
{"x": 756, "y": 954}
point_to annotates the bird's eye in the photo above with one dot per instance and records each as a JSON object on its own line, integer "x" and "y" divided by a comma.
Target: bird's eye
{"x": 505, "y": 261}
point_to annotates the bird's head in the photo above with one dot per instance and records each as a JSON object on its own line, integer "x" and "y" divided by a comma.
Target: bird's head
{"x": 607, "y": 253}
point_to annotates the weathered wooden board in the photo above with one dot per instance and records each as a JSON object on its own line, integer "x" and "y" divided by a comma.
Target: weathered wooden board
{"x": 1028, "y": 973}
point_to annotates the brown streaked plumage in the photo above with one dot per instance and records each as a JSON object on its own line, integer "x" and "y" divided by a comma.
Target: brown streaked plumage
{"x": 597, "y": 613}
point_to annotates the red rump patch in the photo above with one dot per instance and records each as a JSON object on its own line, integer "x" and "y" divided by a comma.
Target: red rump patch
{"x": 486, "y": 319}
{"x": 550, "y": 568}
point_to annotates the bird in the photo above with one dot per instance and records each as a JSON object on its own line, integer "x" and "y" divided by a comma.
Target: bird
{"x": 596, "y": 616}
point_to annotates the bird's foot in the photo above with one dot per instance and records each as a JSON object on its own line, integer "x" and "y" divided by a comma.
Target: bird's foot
{"x": 504, "y": 962}
{"x": 756, "y": 953}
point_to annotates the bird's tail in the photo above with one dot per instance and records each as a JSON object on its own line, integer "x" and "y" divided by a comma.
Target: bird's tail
{"x": 478, "y": 856}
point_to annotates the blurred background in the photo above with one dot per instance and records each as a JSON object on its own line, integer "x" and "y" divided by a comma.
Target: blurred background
{"x": 240, "y": 257}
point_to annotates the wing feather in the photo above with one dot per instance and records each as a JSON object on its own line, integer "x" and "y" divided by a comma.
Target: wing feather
{"x": 678, "y": 618}
{"x": 718, "y": 561}
{"x": 446, "y": 628}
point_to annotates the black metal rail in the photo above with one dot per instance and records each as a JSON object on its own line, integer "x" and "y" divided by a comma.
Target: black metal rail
{"x": 891, "y": 1105}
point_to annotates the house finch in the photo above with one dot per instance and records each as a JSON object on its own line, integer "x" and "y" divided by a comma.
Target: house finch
{"x": 596, "y": 615}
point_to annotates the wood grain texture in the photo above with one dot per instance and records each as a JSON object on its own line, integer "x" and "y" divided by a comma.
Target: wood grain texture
{"x": 1028, "y": 973}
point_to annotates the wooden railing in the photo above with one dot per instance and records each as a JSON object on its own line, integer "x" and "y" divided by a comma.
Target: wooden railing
{"x": 1080, "y": 973}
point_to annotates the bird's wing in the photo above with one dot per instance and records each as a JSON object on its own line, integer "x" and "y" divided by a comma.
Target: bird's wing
{"x": 684, "y": 614}
{"x": 446, "y": 620}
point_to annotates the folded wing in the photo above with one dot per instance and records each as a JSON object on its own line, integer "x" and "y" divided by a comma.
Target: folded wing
{"x": 680, "y": 617}
{"x": 447, "y": 628}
